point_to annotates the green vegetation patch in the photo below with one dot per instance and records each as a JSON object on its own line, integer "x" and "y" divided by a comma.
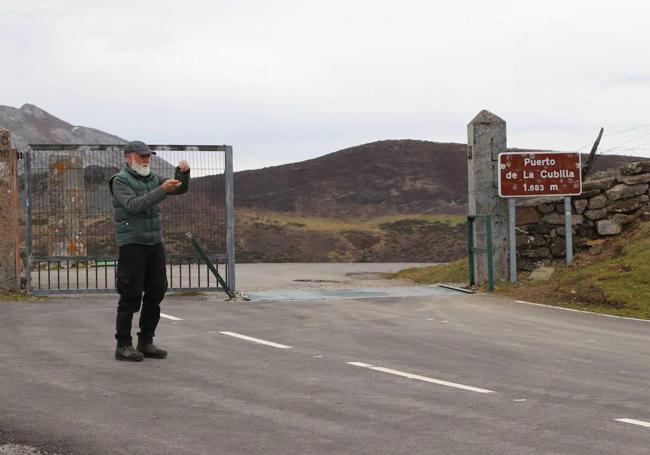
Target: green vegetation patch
{"x": 452, "y": 272}
{"x": 615, "y": 282}
{"x": 15, "y": 297}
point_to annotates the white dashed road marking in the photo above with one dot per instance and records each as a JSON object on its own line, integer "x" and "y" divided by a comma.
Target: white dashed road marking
{"x": 421, "y": 378}
{"x": 256, "y": 340}
{"x": 167, "y": 316}
{"x": 640, "y": 423}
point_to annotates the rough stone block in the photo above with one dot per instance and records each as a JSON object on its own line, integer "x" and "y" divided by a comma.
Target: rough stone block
{"x": 598, "y": 202}
{"x": 639, "y": 167}
{"x": 554, "y": 218}
{"x": 624, "y": 206}
{"x": 558, "y": 248}
{"x": 536, "y": 253}
{"x": 522, "y": 241}
{"x": 577, "y": 220}
{"x": 596, "y": 250}
{"x": 601, "y": 185}
{"x": 635, "y": 179}
{"x": 587, "y": 194}
{"x": 541, "y": 274}
{"x": 561, "y": 231}
{"x": 558, "y": 219}
{"x": 597, "y": 214}
{"x": 526, "y": 215}
{"x": 609, "y": 227}
{"x": 580, "y": 205}
{"x": 622, "y": 191}
{"x": 624, "y": 219}
{"x": 543, "y": 228}
{"x": 546, "y": 208}
{"x": 537, "y": 240}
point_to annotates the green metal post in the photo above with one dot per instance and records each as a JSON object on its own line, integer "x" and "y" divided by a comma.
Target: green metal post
{"x": 470, "y": 249}
{"x": 490, "y": 264}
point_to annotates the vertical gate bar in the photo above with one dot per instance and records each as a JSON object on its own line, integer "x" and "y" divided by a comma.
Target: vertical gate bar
{"x": 48, "y": 274}
{"x": 189, "y": 271}
{"x": 512, "y": 239}
{"x": 217, "y": 267}
{"x": 490, "y": 256}
{"x": 470, "y": 249}
{"x": 171, "y": 271}
{"x": 87, "y": 264}
{"x": 28, "y": 224}
{"x": 230, "y": 218}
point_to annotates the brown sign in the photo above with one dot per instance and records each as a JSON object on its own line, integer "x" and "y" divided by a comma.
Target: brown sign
{"x": 539, "y": 174}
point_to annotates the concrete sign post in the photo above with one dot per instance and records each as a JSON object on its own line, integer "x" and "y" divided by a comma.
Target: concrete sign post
{"x": 523, "y": 174}
{"x": 512, "y": 239}
{"x": 486, "y": 139}
{"x": 9, "y": 253}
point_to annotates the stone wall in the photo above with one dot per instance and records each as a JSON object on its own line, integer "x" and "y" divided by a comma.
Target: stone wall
{"x": 603, "y": 210}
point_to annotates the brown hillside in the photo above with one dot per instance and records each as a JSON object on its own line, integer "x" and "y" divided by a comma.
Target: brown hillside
{"x": 375, "y": 179}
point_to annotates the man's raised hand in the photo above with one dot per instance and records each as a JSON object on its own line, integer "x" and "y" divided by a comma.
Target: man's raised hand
{"x": 184, "y": 166}
{"x": 170, "y": 185}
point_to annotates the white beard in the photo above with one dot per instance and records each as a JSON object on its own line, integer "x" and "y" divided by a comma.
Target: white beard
{"x": 141, "y": 169}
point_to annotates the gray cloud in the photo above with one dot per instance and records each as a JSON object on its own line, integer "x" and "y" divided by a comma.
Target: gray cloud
{"x": 287, "y": 80}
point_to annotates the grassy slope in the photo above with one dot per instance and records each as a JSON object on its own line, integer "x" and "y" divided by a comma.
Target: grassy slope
{"x": 292, "y": 237}
{"x": 617, "y": 281}
{"x": 454, "y": 272}
{"x": 339, "y": 224}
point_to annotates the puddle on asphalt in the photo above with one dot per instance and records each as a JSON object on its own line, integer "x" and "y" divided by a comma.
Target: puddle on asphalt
{"x": 329, "y": 294}
{"x": 319, "y": 281}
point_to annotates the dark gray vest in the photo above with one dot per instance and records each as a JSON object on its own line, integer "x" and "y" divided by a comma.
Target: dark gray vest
{"x": 143, "y": 228}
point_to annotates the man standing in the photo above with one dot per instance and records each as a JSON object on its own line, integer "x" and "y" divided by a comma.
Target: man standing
{"x": 137, "y": 194}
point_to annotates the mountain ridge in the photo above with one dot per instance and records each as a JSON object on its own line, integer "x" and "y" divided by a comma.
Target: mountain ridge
{"x": 282, "y": 210}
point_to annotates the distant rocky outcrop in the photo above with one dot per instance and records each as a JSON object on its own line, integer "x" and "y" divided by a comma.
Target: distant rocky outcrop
{"x": 32, "y": 125}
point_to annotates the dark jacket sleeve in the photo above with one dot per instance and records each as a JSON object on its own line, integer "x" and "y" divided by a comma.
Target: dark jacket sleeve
{"x": 184, "y": 177}
{"x": 130, "y": 201}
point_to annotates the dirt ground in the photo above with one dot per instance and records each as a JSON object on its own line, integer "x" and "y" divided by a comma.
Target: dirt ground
{"x": 294, "y": 276}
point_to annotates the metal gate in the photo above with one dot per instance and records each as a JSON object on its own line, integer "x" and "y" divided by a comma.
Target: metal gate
{"x": 70, "y": 233}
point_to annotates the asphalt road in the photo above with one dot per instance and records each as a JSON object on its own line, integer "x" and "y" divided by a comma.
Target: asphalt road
{"x": 447, "y": 373}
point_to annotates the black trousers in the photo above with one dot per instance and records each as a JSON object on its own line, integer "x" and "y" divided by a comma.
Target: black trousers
{"x": 141, "y": 269}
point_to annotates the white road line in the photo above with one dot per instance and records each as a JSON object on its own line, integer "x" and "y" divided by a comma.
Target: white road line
{"x": 641, "y": 423}
{"x": 573, "y": 310}
{"x": 421, "y": 378}
{"x": 256, "y": 340}
{"x": 167, "y": 316}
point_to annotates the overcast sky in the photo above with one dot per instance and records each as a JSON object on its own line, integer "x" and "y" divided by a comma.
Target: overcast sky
{"x": 288, "y": 80}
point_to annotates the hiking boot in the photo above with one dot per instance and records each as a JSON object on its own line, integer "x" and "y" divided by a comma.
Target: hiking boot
{"x": 128, "y": 353}
{"x": 150, "y": 350}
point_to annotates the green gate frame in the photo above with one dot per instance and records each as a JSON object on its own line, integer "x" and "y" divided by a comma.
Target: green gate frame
{"x": 472, "y": 250}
